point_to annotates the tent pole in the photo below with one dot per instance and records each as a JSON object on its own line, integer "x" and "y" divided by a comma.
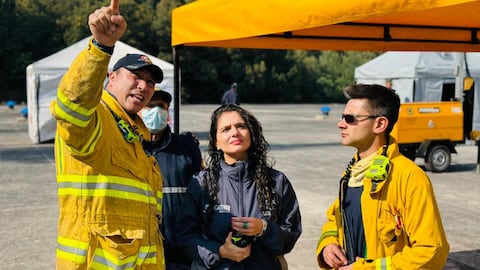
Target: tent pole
{"x": 176, "y": 89}
{"x": 460, "y": 76}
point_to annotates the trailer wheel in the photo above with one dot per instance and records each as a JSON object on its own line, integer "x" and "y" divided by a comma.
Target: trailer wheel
{"x": 438, "y": 158}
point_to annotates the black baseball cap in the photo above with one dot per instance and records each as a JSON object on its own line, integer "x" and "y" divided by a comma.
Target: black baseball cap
{"x": 140, "y": 61}
{"x": 163, "y": 95}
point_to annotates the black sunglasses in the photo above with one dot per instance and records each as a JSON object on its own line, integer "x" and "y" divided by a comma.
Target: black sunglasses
{"x": 352, "y": 118}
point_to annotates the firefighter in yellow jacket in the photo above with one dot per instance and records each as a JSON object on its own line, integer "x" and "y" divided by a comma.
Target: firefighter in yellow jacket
{"x": 386, "y": 215}
{"x": 109, "y": 190}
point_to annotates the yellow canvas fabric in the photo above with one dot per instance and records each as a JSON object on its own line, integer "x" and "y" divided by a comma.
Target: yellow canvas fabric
{"x": 443, "y": 25}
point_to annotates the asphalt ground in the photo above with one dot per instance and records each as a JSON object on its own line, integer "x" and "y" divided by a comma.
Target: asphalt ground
{"x": 306, "y": 147}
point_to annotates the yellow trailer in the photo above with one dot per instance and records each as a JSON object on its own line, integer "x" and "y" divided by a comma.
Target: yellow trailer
{"x": 430, "y": 130}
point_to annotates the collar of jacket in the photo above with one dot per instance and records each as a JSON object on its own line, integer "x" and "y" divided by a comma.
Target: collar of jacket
{"x": 240, "y": 170}
{"x": 136, "y": 123}
{"x": 161, "y": 143}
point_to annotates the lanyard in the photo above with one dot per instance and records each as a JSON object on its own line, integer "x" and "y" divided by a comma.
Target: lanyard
{"x": 129, "y": 133}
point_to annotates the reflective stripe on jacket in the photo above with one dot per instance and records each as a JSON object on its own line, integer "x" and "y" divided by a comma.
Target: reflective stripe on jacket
{"x": 403, "y": 228}
{"x": 109, "y": 190}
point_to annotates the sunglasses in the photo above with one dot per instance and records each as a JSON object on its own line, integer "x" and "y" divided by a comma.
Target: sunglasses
{"x": 352, "y": 118}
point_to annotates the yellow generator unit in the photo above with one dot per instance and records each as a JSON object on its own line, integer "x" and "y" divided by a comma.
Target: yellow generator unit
{"x": 430, "y": 130}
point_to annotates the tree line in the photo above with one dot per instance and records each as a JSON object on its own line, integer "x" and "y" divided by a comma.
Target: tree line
{"x": 33, "y": 29}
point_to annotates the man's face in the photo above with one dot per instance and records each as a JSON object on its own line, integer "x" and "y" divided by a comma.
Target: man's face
{"x": 132, "y": 89}
{"x": 359, "y": 133}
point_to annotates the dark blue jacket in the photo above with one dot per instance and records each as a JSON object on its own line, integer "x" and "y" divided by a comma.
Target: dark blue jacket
{"x": 179, "y": 158}
{"x": 201, "y": 234}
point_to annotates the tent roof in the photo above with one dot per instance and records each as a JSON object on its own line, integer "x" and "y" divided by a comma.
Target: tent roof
{"x": 61, "y": 60}
{"x": 389, "y": 65}
{"x": 401, "y": 65}
{"x": 371, "y": 25}
{"x": 473, "y": 64}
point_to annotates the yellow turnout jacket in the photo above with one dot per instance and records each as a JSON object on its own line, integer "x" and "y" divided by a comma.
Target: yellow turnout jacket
{"x": 109, "y": 190}
{"x": 402, "y": 224}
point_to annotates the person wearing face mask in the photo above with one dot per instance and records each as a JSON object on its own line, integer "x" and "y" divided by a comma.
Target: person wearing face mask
{"x": 179, "y": 158}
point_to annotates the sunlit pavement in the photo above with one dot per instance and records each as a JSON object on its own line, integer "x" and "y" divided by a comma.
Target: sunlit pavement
{"x": 305, "y": 144}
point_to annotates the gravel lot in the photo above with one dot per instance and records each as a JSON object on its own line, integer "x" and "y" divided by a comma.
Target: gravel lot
{"x": 305, "y": 145}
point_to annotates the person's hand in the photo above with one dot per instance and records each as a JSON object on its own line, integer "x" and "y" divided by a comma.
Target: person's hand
{"x": 250, "y": 226}
{"x": 107, "y": 25}
{"x": 347, "y": 267}
{"x": 334, "y": 256}
{"x": 230, "y": 251}
{"x": 350, "y": 266}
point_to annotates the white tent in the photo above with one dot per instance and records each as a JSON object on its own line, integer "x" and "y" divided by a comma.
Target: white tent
{"x": 403, "y": 68}
{"x": 421, "y": 76}
{"x": 44, "y": 75}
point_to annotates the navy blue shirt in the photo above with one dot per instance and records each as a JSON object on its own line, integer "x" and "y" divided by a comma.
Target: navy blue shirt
{"x": 354, "y": 221}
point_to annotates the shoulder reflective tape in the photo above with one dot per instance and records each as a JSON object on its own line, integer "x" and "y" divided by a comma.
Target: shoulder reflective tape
{"x": 89, "y": 146}
{"x": 71, "y": 111}
{"x": 92, "y": 141}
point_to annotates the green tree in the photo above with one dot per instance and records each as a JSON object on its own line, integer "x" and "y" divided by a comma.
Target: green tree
{"x": 7, "y": 17}
{"x": 162, "y": 28}
{"x": 33, "y": 29}
{"x": 303, "y": 74}
{"x": 338, "y": 71}
{"x": 28, "y": 32}
{"x": 201, "y": 82}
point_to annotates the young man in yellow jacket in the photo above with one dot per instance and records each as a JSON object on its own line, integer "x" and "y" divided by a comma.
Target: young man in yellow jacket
{"x": 386, "y": 215}
{"x": 109, "y": 190}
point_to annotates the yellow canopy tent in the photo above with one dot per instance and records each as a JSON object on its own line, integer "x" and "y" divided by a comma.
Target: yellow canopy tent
{"x": 372, "y": 25}
{"x": 368, "y": 25}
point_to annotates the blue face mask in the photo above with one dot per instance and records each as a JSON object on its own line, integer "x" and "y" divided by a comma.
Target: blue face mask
{"x": 155, "y": 119}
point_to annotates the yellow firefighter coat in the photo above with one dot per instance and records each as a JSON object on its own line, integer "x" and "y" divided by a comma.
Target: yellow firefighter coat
{"x": 109, "y": 190}
{"x": 402, "y": 224}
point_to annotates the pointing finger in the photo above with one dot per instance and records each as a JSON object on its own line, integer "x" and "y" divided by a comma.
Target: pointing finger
{"x": 114, "y": 4}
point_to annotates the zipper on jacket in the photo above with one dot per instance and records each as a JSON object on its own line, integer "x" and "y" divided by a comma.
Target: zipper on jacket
{"x": 242, "y": 176}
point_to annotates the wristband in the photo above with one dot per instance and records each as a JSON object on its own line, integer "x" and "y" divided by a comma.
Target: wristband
{"x": 103, "y": 48}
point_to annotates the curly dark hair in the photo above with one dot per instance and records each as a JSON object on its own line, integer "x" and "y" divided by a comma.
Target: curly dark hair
{"x": 257, "y": 155}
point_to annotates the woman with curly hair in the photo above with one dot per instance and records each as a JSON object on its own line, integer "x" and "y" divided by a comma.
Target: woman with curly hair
{"x": 239, "y": 212}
